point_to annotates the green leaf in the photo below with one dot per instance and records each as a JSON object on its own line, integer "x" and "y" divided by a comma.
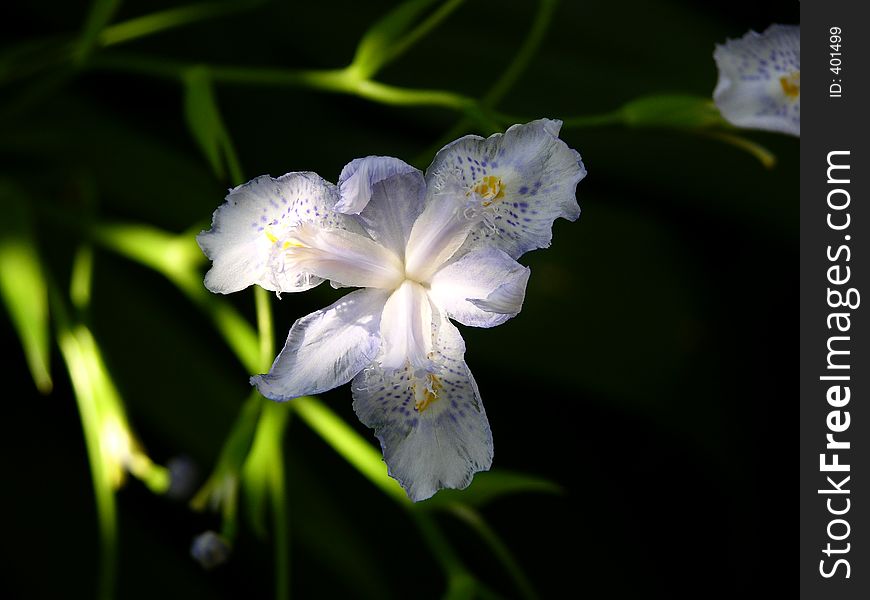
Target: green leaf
{"x": 220, "y": 488}
{"x": 374, "y": 46}
{"x": 175, "y": 256}
{"x": 672, "y": 110}
{"x": 490, "y": 485}
{"x": 22, "y": 283}
{"x": 207, "y": 126}
{"x": 261, "y": 466}
{"x": 203, "y": 118}
{"x": 178, "y": 258}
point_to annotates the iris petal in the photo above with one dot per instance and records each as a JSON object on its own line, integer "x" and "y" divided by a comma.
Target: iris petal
{"x": 759, "y": 80}
{"x": 256, "y": 215}
{"x": 483, "y": 288}
{"x": 432, "y": 427}
{"x": 520, "y": 181}
{"x": 326, "y": 348}
{"x": 395, "y": 204}
{"x": 360, "y": 175}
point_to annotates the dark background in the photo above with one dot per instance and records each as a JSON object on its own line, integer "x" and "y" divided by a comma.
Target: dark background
{"x": 650, "y": 372}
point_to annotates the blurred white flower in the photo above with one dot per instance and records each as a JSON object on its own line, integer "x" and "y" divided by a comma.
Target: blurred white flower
{"x": 424, "y": 249}
{"x": 760, "y": 80}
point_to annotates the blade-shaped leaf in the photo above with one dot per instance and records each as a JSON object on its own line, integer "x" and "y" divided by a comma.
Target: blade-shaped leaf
{"x": 22, "y": 283}
{"x": 207, "y": 126}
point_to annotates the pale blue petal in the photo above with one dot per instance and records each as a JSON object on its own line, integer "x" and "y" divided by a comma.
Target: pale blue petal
{"x": 759, "y": 80}
{"x": 395, "y": 204}
{"x": 483, "y": 288}
{"x": 247, "y": 230}
{"x": 522, "y": 181}
{"x": 359, "y": 175}
{"x": 326, "y": 348}
{"x": 429, "y": 441}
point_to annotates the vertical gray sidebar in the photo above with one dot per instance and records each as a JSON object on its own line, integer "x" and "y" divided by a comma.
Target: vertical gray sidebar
{"x": 835, "y": 300}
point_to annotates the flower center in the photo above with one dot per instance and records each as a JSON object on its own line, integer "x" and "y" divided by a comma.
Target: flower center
{"x": 791, "y": 85}
{"x": 428, "y": 393}
{"x": 490, "y": 188}
{"x": 288, "y": 243}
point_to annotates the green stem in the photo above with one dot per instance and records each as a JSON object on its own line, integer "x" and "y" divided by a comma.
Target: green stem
{"x": 612, "y": 118}
{"x": 521, "y": 61}
{"x": 279, "y": 514}
{"x": 438, "y": 544}
{"x": 349, "y": 444}
{"x": 273, "y": 419}
{"x": 264, "y": 327}
{"x": 764, "y": 156}
{"x": 336, "y": 81}
{"x": 502, "y": 85}
{"x": 418, "y": 33}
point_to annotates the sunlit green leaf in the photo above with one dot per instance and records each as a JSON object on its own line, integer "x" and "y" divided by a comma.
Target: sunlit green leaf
{"x": 178, "y": 258}
{"x": 22, "y": 283}
{"x": 175, "y": 256}
{"x": 491, "y": 485}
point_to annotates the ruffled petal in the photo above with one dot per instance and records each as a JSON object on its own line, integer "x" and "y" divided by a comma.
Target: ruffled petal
{"x": 360, "y": 175}
{"x": 520, "y": 181}
{"x": 432, "y": 427}
{"x": 759, "y": 80}
{"x": 395, "y": 204}
{"x": 326, "y": 348}
{"x": 248, "y": 231}
{"x": 483, "y": 288}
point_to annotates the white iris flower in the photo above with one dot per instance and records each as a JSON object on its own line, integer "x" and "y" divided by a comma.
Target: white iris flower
{"x": 760, "y": 80}
{"x": 424, "y": 250}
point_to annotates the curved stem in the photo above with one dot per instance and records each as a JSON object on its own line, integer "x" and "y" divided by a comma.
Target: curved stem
{"x": 473, "y": 518}
{"x": 521, "y": 61}
{"x": 600, "y": 120}
{"x": 418, "y": 33}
